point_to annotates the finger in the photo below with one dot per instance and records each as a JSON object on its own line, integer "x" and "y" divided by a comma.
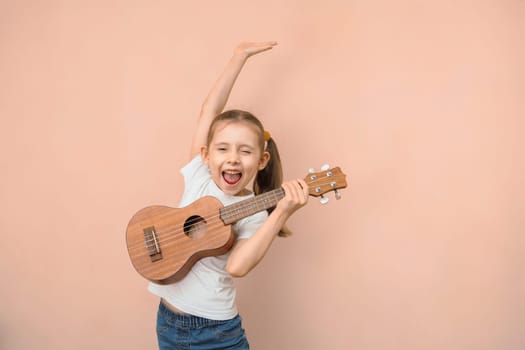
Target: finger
{"x": 297, "y": 188}
{"x": 303, "y": 191}
{"x": 265, "y": 43}
{"x": 259, "y": 46}
{"x": 262, "y": 48}
{"x": 289, "y": 191}
{"x": 304, "y": 187}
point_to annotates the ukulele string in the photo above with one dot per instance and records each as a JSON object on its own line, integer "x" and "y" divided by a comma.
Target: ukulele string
{"x": 173, "y": 234}
{"x": 228, "y": 212}
{"x": 210, "y": 221}
{"x": 231, "y": 210}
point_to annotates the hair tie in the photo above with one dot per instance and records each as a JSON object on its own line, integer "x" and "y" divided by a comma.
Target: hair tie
{"x": 267, "y": 136}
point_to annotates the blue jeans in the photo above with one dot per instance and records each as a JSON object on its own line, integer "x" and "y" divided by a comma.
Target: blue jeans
{"x": 185, "y": 332}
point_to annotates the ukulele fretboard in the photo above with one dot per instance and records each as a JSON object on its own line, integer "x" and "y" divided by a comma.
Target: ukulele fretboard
{"x": 247, "y": 207}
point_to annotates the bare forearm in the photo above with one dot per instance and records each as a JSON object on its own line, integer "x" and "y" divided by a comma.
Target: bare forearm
{"x": 220, "y": 92}
{"x": 249, "y": 252}
{"x": 216, "y": 99}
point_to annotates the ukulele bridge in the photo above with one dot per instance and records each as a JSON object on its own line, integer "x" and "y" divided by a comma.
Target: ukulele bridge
{"x": 152, "y": 243}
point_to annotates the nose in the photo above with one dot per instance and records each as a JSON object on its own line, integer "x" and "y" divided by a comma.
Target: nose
{"x": 233, "y": 157}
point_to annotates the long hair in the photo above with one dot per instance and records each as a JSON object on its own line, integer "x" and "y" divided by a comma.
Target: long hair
{"x": 271, "y": 176}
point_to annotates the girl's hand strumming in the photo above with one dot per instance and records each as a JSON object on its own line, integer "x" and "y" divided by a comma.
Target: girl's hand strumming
{"x": 247, "y": 49}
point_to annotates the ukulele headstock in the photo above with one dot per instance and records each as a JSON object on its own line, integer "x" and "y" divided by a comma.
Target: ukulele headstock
{"x": 325, "y": 181}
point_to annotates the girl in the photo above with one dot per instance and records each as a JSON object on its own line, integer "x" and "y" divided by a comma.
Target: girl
{"x": 230, "y": 153}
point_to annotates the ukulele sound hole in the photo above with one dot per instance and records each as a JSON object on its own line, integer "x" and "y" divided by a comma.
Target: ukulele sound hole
{"x": 195, "y": 227}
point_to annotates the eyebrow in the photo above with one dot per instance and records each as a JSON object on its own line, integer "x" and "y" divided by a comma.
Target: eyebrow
{"x": 218, "y": 144}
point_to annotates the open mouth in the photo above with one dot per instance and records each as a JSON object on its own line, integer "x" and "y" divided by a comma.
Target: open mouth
{"x": 231, "y": 177}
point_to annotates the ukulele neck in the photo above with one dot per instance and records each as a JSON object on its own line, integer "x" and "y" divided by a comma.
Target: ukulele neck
{"x": 237, "y": 211}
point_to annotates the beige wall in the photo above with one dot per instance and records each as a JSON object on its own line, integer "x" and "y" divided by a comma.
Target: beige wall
{"x": 420, "y": 103}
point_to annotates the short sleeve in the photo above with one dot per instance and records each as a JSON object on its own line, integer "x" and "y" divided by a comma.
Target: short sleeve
{"x": 195, "y": 168}
{"x": 196, "y": 176}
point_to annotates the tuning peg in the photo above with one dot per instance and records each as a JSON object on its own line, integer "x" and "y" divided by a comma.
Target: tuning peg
{"x": 323, "y": 200}
{"x": 311, "y": 170}
{"x": 325, "y": 167}
{"x": 337, "y": 195}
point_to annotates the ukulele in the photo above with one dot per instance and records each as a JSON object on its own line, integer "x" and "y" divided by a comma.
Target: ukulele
{"x": 164, "y": 243}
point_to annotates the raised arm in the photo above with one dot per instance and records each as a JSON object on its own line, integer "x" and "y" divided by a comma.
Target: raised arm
{"x": 218, "y": 96}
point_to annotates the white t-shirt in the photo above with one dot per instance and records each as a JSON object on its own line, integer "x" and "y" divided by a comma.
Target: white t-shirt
{"x": 207, "y": 290}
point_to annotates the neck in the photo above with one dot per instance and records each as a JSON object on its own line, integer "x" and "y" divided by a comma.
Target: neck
{"x": 250, "y": 206}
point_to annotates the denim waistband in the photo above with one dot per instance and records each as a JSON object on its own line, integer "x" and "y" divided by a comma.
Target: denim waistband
{"x": 187, "y": 320}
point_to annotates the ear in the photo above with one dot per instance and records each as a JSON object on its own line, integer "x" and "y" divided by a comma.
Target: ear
{"x": 265, "y": 158}
{"x": 205, "y": 154}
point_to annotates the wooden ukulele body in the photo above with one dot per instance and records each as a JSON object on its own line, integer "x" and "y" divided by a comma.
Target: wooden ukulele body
{"x": 164, "y": 242}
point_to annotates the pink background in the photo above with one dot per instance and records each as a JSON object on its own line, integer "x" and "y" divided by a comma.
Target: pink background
{"x": 419, "y": 102}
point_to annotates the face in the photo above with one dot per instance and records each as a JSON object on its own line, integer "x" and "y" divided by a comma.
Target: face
{"x": 234, "y": 156}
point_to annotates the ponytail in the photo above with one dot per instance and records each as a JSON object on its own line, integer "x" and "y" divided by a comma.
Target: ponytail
{"x": 271, "y": 178}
